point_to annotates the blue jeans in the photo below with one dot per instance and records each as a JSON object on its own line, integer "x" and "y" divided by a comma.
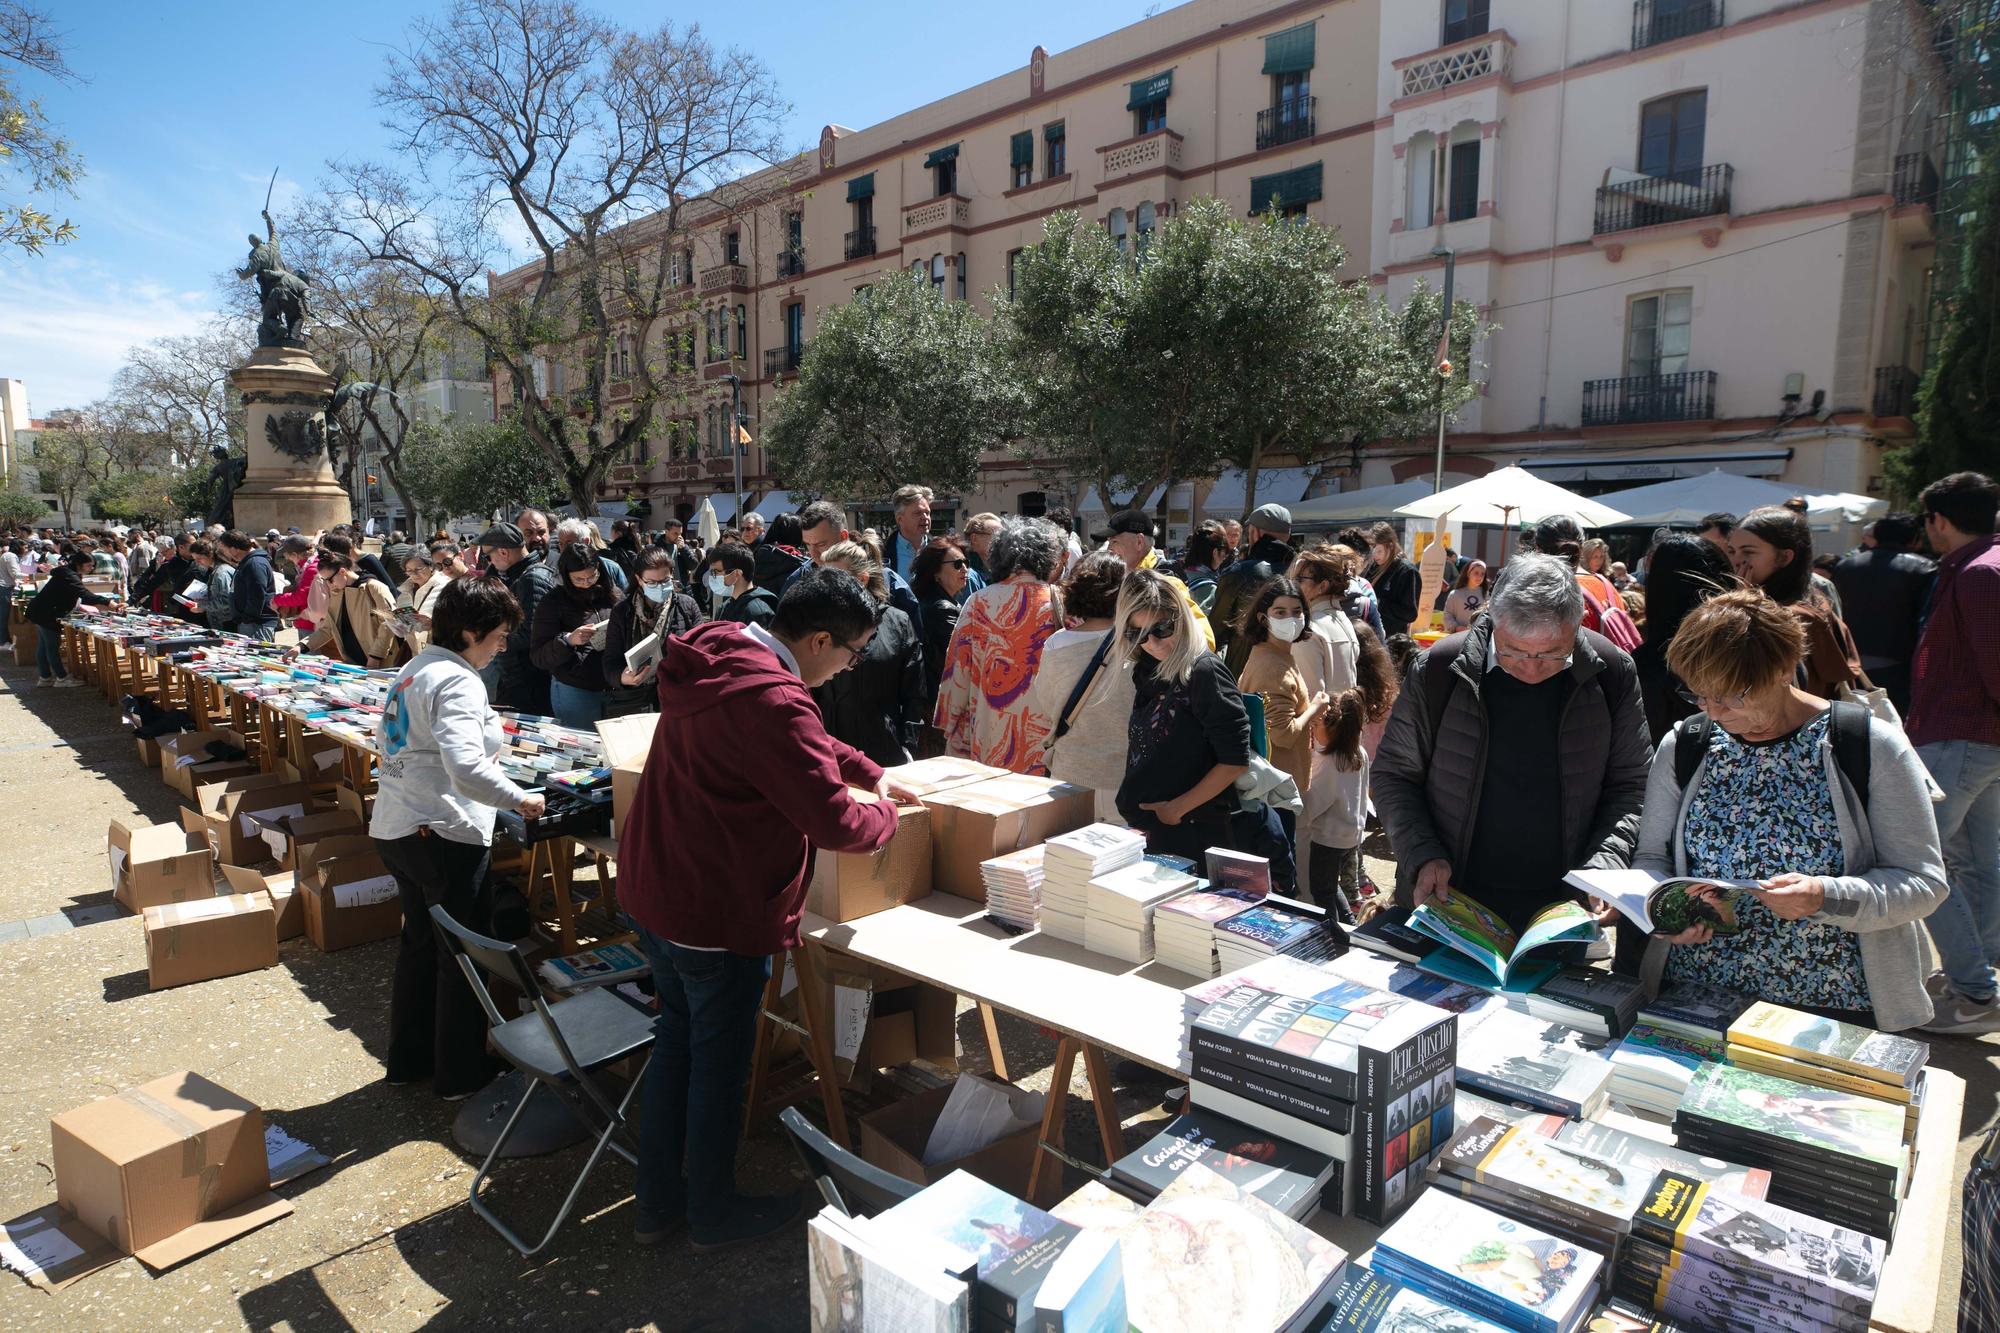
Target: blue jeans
{"x": 1966, "y": 925}
{"x": 573, "y": 707}
{"x": 48, "y": 653}
{"x": 693, "y": 1098}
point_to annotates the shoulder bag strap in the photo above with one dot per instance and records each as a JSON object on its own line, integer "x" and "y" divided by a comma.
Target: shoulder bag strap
{"x": 1690, "y": 744}
{"x": 1848, "y": 726}
{"x": 1084, "y": 684}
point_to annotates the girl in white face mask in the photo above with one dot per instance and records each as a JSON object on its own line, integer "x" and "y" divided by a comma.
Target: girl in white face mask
{"x": 1275, "y": 621}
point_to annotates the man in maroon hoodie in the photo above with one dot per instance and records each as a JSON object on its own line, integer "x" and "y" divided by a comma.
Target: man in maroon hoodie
{"x": 713, "y": 865}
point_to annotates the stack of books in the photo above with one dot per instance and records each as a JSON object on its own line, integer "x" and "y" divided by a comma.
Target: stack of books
{"x": 1264, "y": 930}
{"x": 1719, "y": 1260}
{"x": 1367, "y": 1302}
{"x": 1623, "y": 1316}
{"x": 1587, "y": 998}
{"x": 1834, "y": 1155}
{"x": 1695, "y": 1009}
{"x": 1381, "y": 972}
{"x": 1208, "y": 1257}
{"x": 1559, "y": 1187}
{"x": 1119, "y": 906}
{"x": 1357, "y": 1074}
{"x": 1651, "y": 1067}
{"x": 1806, "y": 1048}
{"x": 1184, "y": 929}
{"x": 1069, "y": 862}
{"x": 1495, "y": 1266}
{"x": 860, "y": 1279}
{"x": 1646, "y": 1158}
{"x": 1388, "y": 933}
{"x": 1521, "y": 1059}
{"x": 1283, "y": 1174}
{"x": 1014, "y": 887}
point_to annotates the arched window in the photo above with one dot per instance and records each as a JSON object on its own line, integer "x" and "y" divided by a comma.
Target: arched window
{"x": 1421, "y": 158}
{"x": 1116, "y": 224}
{"x": 937, "y": 272}
{"x": 961, "y": 275}
{"x": 708, "y": 323}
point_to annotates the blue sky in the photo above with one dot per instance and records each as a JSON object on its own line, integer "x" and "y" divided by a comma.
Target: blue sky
{"x": 182, "y": 111}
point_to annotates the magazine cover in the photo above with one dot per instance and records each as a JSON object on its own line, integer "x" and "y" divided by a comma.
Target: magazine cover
{"x": 1822, "y": 1041}
{"x": 1367, "y": 1302}
{"x": 1842, "y": 1124}
{"x": 1451, "y": 1245}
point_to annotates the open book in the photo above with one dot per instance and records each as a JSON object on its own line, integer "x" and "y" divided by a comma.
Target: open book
{"x": 644, "y": 655}
{"x": 1497, "y": 956}
{"x": 1668, "y": 906}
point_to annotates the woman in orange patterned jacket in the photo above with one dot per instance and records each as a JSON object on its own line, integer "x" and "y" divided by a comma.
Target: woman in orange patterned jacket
{"x": 983, "y": 707}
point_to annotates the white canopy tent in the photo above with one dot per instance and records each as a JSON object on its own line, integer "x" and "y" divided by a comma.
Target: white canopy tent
{"x": 1688, "y": 500}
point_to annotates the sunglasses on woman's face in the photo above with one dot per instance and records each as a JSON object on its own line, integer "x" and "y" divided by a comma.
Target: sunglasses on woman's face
{"x": 1160, "y": 631}
{"x": 954, "y": 564}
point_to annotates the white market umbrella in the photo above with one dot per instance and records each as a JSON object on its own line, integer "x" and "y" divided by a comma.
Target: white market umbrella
{"x": 1688, "y": 500}
{"x": 1351, "y": 506}
{"x": 1510, "y": 496}
{"x": 706, "y": 526}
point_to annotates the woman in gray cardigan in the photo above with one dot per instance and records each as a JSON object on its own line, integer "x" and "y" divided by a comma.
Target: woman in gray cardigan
{"x": 1843, "y": 876}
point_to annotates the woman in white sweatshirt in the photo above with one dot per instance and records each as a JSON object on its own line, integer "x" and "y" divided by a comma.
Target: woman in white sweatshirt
{"x": 441, "y": 785}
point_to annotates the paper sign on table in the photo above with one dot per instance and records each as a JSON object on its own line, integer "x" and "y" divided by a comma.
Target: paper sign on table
{"x": 365, "y": 892}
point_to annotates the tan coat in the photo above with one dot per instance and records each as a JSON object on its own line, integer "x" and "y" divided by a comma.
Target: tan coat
{"x": 1271, "y": 672}
{"x": 368, "y": 607}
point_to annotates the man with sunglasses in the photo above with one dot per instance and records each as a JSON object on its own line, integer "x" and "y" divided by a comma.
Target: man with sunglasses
{"x": 714, "y": 859}
{"x": 1516, "y": 753}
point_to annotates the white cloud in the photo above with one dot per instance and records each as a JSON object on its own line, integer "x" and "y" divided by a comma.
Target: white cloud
{"x": 66, "y": 333}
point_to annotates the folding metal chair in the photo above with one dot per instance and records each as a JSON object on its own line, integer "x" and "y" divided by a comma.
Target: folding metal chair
{"x": 834, "y": 1170}
{"x": 558, "y": 1046}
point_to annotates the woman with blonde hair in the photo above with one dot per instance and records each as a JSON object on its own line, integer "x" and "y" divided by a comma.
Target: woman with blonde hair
{"x": 1826, "y": 811}
{"x": 1189, "y": 737}
{"x": 878, "y": 705}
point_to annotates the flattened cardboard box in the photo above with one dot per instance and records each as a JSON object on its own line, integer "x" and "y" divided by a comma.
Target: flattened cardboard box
{"x": 155, "y": 864}
{"x": 978, "y": 822}
{"x": 926, "y": 777}
{"x": 627, "y": 741}
{"x": 166, "y": 1170}
{"x": 847, "y": 886}
{"x": 281, "y": 887}
{"x": 353, "y": 901}
{"x": 216, "y": 937}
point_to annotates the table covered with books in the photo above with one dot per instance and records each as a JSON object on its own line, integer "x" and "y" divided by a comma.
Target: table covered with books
{"x": 1413, "y": 1151}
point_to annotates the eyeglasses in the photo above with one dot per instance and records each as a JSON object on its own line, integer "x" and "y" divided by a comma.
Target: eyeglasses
{"x": 954, "y": 564}
{"x": 854, "y": 653}
{"x": 1549, "y": 659}
{"x": 1159, "y": 632}
{"x": 1729, "y": 703}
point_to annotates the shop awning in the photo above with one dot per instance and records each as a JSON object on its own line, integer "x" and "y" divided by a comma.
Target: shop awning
{"x": 1147, "y": 91}
{"x": 1688, "y": 500}
{"x": 1275, "y": 485}
{"x": 1290, "y": 51}
{"x": 773, "y": 504}
{"x": 861, "y": 187}
{"x": 725, "y": 506}
{"x": 1658, "y": 467}
{"x": 938, "y": 155}
{"x": 1344, "y": 507}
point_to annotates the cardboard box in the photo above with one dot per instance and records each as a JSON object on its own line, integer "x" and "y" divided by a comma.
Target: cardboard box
{"x": 281, "y": 843}
{"x": 929, "y": 776}
{"x": 156, "y": 864}
{"x": 906, "y": 1020}
{"x": 185, "y": 762}
{"x": 22, "y": 632}
{"x": 314, "y": 757}
{"x": 353, "y": 900}
{"x": 627, "y": 741}
{"x": 167, "y": 1170}
{"x": 149, "y": 750}
{"x": 894, "y": 1137}
{"x": 281, "y": 887}
{"x": 234, "y": 809}
{"x": 361, "y": 807}
{"x": 983, "y": 820}
{"x": 847, "y": 886}
{"x": 215, "y": 937}
{"x": 308, "y": 858}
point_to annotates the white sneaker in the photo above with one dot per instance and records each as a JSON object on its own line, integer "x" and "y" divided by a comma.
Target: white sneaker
{"x": 69, "y": 683}
{"x": 1958, "y": 1016}
{"x": 44, "y": 682}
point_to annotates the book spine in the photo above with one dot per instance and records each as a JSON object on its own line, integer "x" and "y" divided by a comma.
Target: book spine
{"x": 1306, "y": 1073}
{"x": 1371, "y": 1109}
{"x": 1328, "y": 1112}
{"x": 1317, "y": 1138}
{"x": 1839, "y": 1080}
{"x": 1862, "y": 1171}
{"x": 1504, "y": 1091}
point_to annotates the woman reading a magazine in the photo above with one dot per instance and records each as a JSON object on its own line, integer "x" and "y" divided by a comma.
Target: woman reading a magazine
{"x": 1843, "y": 875}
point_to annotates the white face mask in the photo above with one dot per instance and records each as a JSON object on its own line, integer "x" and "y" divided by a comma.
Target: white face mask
{"x": 658, "y": 592}
{"x": 717, "y": 585}
{"x": 1286, "y": 628}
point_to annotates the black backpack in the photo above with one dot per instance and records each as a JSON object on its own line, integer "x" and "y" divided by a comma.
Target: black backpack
{"x": 1848, "y": 724}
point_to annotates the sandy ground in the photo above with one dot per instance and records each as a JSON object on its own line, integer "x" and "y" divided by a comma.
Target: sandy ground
{"x": 381, "y": 1239}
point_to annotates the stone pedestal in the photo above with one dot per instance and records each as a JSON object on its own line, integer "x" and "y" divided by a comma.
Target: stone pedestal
{"x": 290, "y": 481}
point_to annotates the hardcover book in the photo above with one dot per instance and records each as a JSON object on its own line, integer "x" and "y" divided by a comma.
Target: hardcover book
{"x": 1282, "y": 1174}
{"x": 1505, "y": 1270}
{"x": 1842, "y": 1129}
{"x": 1810, "y": 1039}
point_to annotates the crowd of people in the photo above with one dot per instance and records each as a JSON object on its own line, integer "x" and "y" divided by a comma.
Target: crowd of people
{"x": 1734, "y": 705}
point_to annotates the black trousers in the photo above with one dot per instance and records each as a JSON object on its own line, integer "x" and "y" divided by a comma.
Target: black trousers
{"x": 436, "y": 1027}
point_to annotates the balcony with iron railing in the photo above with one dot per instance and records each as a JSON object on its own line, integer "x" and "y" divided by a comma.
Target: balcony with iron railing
{"x": 1896, "y": 391}
{"x": 1291, "y": 120}
{"x": 1639, "y": 399}
{"x": 783, "y": 360}
{"x": 1656, "y": 21}
{"x": 791, "y": 263}
{"x": 860, "y": 242}
{"x": 1629, "y": 200}
{"x": 1461, "y": 62}
{"x": 1916, "y": 180}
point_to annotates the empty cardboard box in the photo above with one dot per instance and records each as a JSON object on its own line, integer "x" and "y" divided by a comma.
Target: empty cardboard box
{"x": 627, "y": 741}
{"x": 149, "y": 750}
{"x": 983, "y": 820}
{"x": 167, "y": 1170}
{"x": 894, "y": 1138}
{"x": 283, "y": 837}
{"x": 352, "y": 900}
{"x": 237, "y": 815}
{"x": 185, "y": 758}
{"x": 360, "y": 806}
{"x": 281, "y": 887}
{"x": 156, "y": 864}
{"x": 847, "y": 886}
{"x": 214, "y": 937}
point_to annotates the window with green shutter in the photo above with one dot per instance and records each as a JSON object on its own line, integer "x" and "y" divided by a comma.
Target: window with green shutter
{"x": 1021, "y": 159}
{"x": 1289, "y": 51}
{"x": 861, "y": 187}
{"x": 1058, "y": 150}
{"x": 1286, "y": 191}
{"x": 1148, "y": 103}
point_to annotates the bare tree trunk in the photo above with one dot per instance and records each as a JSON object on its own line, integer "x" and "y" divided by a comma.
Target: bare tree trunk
{"x": 1256, "y": 466}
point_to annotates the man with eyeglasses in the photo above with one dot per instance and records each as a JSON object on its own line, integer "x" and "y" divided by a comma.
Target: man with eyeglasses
{"x": 714, "y": 859}
{"x": 823, "y": 523}
{"x": 1516, "y": 753}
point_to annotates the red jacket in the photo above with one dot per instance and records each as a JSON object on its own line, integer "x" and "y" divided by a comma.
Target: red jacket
{"x": 741, "y": 784}
{"x": 1955, "y": 676}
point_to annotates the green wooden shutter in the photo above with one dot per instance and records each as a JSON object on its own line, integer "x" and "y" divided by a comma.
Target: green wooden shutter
{"x": 861, "y": 187}
{"x": 1301, "y": 185}
{"x": 1054, "y": 133}
{"x": 1146, "y": 91}
{"x": 1024, "y": 149}
{"x": 1290, "y": 51}
{"x": 946, "y": 154}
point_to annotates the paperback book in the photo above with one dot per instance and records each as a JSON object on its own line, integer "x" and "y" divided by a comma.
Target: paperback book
{"x": 1014, "y": 887}
{"x": 1505, "y": 1270}
{"x": 1846, "y": 1132}
{"x": 1652, "y": 1066}
{"x": 1261, "y": 931}
{"x": 1880, "y": 1057}
{"x": 1367, "y": 1302}
{"x": 1381, "y": 972}
{"x": 1318, "y": 1123}
{"x": 1069, "y": 862}
{"x": 1695, "y": 1008}
{"x": 1486, "y": 950}
{"x": 1084, "y": 1291}
{"x": 1518, "y": 1058}
{"x": 1119, "y": 907}
{"x": 1747, "y": 1057}
{"x": 1184, "y": 928}
{"x": 1388, "y": 933}
{"x": 606, "y": 966}
{"x": 1515, "y": 1161}
{"x": 858, "y": 1283}
{"x": 1711, "y": 1296}
{"x": 1590, "y": 998}
{"x": 1239, "y": 871}
{"x": 1646, "y": 1158}
{"x": 1620, "y": 1316}
{"x": 1013, "y": 1243}
{"x": 1668, "y": 906}
{"x": 1263, "y": 1165}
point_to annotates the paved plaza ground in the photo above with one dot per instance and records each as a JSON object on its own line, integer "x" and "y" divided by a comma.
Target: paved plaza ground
{"x": 382, "y": 1238}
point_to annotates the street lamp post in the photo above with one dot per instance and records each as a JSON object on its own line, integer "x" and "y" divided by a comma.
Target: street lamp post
{"x": 1443, "y": 362}
{"x": 735, "y": 441}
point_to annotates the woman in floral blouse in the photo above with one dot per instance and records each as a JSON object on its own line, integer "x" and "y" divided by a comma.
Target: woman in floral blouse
{"x": 1843, "y": 874}
{"x": 983, "y": 707}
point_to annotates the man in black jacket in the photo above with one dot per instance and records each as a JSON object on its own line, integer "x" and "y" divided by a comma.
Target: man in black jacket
{"x": 1269, "y": 555}
{"x": 512, "y": 679}
{"x": 732, "y": 586}
{"x": 673, "y": 540}
{"x": 170, "y": 577}
{"x": 251, "y": 612}
{"x": 1883, "y": 591}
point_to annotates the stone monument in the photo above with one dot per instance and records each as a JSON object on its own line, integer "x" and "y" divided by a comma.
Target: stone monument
{"x": 289, "y": 482}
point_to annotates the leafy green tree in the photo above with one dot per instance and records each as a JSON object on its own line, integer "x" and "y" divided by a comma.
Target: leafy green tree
{"x": 32, "y": 154}
{"x": 18, "y": 509}
{"x": 135, "y": 497}
{"x": 452, "y": 468}
{"x": 901, "y": 386}
{"x": 1958, "y": 404}
{"x": 67, "y": 460}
